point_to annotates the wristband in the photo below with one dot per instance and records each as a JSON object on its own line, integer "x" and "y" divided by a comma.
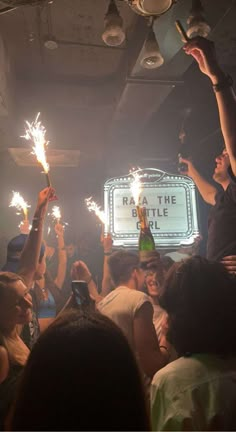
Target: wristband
{"x": 107, "y": 253}
{"x": 226, "y": 82}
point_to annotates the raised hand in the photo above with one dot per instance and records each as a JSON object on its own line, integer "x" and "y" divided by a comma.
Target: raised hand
{"x": 59, "y": 229}
{"x": 189, "y": 167}
{"x": 203, "y": 51}
{"x": 80, "y": 271}
{"x": 107, "y": 243}
{"x": 24, "y": 226}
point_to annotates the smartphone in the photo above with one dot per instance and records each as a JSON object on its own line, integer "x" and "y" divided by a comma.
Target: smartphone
{"x": 81, "y": 292}
{"x": 181, "y": 31}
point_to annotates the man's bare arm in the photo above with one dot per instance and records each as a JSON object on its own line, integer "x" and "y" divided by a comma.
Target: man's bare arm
{"x": 207, "y": 190}
{"x": 204, "y": 53}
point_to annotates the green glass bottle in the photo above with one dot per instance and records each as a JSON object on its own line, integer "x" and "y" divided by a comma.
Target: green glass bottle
{"x": 146, "y": 240}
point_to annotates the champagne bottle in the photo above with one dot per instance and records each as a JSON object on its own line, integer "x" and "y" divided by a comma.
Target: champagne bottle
{"x": 148, "y": 255}
{"x": 146, "y": 240}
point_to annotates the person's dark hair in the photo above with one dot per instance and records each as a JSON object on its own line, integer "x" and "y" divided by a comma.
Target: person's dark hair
{"x": 81, "y": 375}
{"x": 121, "y": 265}
{"x": 200, "y": 299}
{"x": 14, "y": 250}
{"x": 167, "y": 263}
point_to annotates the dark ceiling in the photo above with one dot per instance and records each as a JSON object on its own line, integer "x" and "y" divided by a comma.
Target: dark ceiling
{"x": 98, "y": 99}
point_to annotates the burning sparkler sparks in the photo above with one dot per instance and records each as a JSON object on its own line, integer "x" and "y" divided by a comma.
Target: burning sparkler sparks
{"x": 20, "y": 204}
{"x": 136, "y": 187}
{"x": 56, "y": 213}
{"x": 94, "y": 207}
{"x": 36, "y": 132}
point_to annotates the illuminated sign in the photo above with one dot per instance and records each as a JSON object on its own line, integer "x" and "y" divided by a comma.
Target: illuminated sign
{"x": 171, "y": 207}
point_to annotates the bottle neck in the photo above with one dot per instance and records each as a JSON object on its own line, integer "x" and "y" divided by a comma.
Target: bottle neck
{"x": 142, "y": 218}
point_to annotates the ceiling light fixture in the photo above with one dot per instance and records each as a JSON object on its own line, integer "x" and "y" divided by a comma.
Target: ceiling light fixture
{"x": 197, "y": 25}
{"x": 113, "y": 34}
{"x": 151, "y": 58}
{"x": 50, "y": 41}
{"x": 150, "y": 7}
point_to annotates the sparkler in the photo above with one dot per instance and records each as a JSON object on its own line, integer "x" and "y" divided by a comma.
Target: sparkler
{"x": 19, "y": 202}
{"x": 136, "y": 187}
{"x": 56, "y": 213}
{"x": 94, "y": 207}
{"x": 35, "y": 132}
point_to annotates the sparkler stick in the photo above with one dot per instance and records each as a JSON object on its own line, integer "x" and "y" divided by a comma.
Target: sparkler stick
{"x": 94, "y": 207}
{"x": 36, "y": 132}
{"x": 181, "y": 31}
{"x": 19, "y": 202}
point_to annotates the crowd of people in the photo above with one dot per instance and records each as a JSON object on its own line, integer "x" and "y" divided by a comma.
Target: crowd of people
{"x": 154, "y": 347}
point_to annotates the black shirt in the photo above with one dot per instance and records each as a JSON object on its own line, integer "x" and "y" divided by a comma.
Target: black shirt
{"x": 222, "y": 224}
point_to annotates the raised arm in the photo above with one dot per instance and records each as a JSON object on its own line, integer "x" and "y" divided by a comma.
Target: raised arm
{"x": 107, "y": 284}
{"x": 203, "y": 51}
{"x": 207, "y": 190}
{"x": 30, "y": 255}
{"x": 62, "y": 257}
{"x": 150, "y": 356}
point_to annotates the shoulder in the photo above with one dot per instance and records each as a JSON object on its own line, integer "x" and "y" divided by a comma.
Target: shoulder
{"x": 4, "y": 363}
{"x": 176, "y": 371}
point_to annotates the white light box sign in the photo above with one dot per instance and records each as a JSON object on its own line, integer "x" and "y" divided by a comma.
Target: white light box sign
{"x": 170, "y": 202}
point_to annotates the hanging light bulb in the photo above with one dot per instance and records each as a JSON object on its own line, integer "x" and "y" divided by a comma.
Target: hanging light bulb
{"x": 196, "y": 21}
{"x": 152, "y": 57}
{"x": 150, "y": 7}
{"x": 113, "y": 34}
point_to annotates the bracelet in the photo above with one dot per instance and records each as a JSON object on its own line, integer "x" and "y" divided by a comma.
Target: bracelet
{"x": 107, "y": 253}
{"x": 226, "y": 82}
{"x": 165, "y": 348}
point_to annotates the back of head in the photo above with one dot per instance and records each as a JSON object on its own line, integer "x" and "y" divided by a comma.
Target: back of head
{"x": 167, "y": 263}
{"x": 121, "y": 265}
{"x": 14, "y": 250}
{"x": 200, "y": 299}
{"x": 81, "y": 375}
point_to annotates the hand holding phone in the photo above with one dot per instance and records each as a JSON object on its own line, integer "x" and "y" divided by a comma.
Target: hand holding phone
{"x": 81, "y": 293}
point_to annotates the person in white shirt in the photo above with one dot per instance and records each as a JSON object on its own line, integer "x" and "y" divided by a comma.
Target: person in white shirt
{"x": 132, "y": 311}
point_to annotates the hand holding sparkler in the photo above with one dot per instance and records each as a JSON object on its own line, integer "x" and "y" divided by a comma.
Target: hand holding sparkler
{"x": 36, "y": 132}
{"x": 59, "y": 230}
{"x": 107, "y": 243}
{"x": 24, "y": 226}
{"x": 44, "y": 197}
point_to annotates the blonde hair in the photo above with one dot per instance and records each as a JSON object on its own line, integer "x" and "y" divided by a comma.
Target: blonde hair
{"x": 16, "y": 349}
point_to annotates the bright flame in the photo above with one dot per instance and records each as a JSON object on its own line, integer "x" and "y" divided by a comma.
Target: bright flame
{"x": 136, "y": 187}
{"x": 94, "y": 207}
{"x": 56, "y": 213}
{"x": 35, "y": 132}
{"x": 19, "y": 202}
